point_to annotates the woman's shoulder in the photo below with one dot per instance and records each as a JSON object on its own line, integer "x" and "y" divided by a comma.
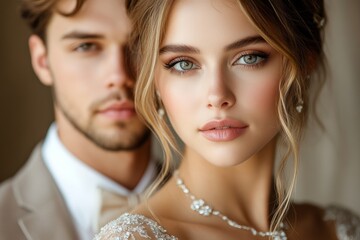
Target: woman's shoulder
{"x": 333, "y": 221}
{"x": 133, "y": 226}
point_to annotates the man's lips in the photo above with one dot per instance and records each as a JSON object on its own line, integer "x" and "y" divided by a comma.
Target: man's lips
{"x": 118, "y": 110}
{"x": 223, "y": 130}
{"x": 118, "y": 105}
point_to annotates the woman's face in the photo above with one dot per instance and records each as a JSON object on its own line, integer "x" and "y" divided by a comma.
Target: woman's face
{"x": 218, "y": 80}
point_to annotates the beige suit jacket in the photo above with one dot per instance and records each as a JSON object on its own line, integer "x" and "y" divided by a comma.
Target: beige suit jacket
{"x": 31, "y": 206}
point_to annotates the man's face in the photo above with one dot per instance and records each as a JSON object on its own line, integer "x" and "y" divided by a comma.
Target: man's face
{"x": 86, "y": 64}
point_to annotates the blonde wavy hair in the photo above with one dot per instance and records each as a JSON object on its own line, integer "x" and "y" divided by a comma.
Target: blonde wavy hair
{"x": 293, "y": 28}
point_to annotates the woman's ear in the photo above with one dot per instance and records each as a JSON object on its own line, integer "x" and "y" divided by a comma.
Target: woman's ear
{"x": 39, "y": 59}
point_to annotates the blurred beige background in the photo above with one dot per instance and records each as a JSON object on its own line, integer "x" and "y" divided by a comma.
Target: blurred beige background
{"x": 330, "y": 168}
{"x": 25, "y": 105}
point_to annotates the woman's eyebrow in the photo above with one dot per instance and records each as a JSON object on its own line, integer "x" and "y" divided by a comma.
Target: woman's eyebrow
{"x": 244, "y": 42}
{"x": 178, "y": 49}
{"x": 181, "y": 48}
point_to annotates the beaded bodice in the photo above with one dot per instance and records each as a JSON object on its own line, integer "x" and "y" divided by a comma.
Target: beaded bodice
{"x": 135, "y": 226}
{"x": 347, "y": 224}
{"x": 127, "y": 226}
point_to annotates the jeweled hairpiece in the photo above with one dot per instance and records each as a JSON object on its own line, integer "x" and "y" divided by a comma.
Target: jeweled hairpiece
{"x": 320, "y": 21}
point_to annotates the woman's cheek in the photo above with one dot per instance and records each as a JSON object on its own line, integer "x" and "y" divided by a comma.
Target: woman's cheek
{"x": 262, "y": 98}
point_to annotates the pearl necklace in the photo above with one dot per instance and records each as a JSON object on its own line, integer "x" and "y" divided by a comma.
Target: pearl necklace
{"x": 202, "y": 208}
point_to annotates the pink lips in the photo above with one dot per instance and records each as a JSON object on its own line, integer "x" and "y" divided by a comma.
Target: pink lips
{"x": 123, "y": 110}
{"x": 223, "y": 130}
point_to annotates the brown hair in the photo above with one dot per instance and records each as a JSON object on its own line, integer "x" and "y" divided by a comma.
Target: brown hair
{"x": 293, "y": 28}
{"x": 37, "y": 14}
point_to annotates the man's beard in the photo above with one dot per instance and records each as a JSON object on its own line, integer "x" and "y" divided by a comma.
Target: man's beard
{"x": 134, "y": 140}
{"x": 130, "y": 141}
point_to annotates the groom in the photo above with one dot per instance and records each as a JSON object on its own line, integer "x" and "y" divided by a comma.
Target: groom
{"x": 97, "y": 144}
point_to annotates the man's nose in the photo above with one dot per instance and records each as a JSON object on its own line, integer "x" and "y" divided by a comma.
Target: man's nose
{"x": 118, "y": 69}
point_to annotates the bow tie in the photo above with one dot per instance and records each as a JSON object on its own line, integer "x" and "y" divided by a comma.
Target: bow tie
{"x": 113, "y": 205}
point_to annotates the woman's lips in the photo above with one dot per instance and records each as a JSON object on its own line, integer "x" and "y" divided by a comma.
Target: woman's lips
{"x": 223, "y": 130}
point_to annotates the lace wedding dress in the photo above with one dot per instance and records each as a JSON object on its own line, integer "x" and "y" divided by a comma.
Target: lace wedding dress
{"x": 135, "y": 226}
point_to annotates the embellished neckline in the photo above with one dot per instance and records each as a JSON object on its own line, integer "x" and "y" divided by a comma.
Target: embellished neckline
{"x": 201, "y": 207}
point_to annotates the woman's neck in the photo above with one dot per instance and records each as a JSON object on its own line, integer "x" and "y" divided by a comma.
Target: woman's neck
{"x": 242, "y": 192}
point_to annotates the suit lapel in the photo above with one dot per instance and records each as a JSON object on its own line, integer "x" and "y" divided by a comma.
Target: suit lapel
{"x": 46, "y": 215}
{"x": 47, "y": 223}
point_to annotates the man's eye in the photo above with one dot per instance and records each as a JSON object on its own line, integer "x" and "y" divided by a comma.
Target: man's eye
{"x": 87, "y": 47}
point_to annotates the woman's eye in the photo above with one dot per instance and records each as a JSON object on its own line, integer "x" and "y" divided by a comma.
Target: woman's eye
{"x": 181, "y": 66}
{"x": 250, "y": 59}
{"x": 87, "y": 47}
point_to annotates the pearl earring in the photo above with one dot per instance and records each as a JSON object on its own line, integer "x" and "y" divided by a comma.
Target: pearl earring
{"x": 300, "y": 106}
{"x": 160, "y": 110}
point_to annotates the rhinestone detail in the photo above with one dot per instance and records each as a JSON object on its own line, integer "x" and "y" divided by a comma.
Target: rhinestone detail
{"x": 202, "y": 208}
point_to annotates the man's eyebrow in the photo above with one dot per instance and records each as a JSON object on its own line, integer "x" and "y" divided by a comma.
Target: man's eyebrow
{"x": 81, "y": 35}
{"x": 244, "y": 42}
{"x": 178, "y": 49}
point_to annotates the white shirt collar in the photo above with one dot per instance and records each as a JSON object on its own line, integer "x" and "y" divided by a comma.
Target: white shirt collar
{"x": 78, "y": 183}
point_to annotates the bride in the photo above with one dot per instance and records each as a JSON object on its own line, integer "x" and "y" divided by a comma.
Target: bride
{"x": 233, "y": 79}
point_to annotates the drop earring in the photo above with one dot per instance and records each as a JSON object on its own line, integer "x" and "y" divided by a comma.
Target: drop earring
{"x": 160, "y": 110}
{"x": 300, "y": 106}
